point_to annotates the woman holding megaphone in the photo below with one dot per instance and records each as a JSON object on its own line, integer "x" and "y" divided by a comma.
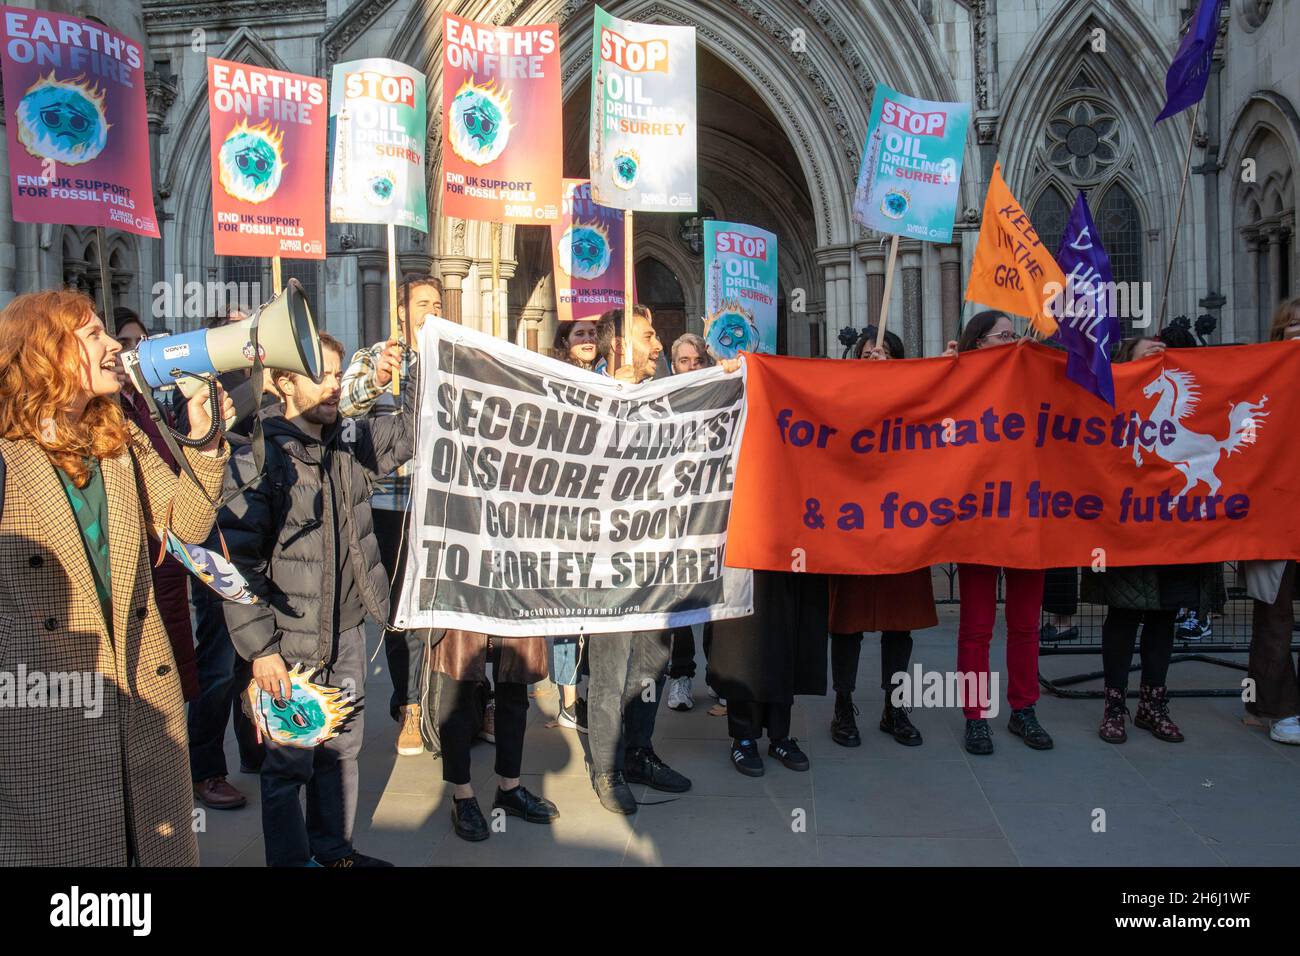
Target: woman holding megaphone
{"x": 81, "y": 636}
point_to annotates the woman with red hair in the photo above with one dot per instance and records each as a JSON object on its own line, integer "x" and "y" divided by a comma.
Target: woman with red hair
{"x": 93, "y": 767}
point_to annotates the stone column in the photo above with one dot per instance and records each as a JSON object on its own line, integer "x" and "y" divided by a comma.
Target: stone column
{"x": 950, "y": 290}
{"x": 372, "y": 264}
{"x": 454, "y": 271}
{"x": 1275, "y": 236}
{"x": 834, "y": 261}
{"x": 910, "y": 329}
{"x": 160, "y": 94}
{"x": 875, "y": 263}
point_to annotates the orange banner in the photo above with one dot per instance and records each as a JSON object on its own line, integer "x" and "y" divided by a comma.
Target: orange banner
{"x": 1011, "y": 265}
{"x": 993, "y": 457}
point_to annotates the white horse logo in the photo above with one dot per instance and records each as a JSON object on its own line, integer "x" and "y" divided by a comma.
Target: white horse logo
{"x": 1194, "y": 454}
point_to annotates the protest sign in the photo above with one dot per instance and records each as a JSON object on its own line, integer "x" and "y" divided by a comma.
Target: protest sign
{"x": 910, "y": 181}
{"x": 267, "y": 144}
{"x": 77, "y": 130}
{"x": 502, "y": 121}
{"x": 643, "y": 115}
{"x": 378, "y": 124}
{"x": 551, "y": 500}
{"x": 889, "y": 466}
{"x": 740, "y": 289}
{"x": 1013, "y": 270}
{"x": 587, "y": 252}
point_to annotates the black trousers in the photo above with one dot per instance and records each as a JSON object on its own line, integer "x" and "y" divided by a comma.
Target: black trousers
{"x": 1061, "y": 591}
{"x": 1118, "y": 635}
{"x": 457, "y": 726}
{"x": 683, "y": 660}
{"x": 747, "y": 719}
{"x": 895, "y": 654}
{"x": 404, "y": 650}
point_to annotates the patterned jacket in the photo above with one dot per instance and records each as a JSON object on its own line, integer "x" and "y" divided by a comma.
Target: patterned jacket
{"x": 360, "y": 397}
{"x": 76, "y": 789}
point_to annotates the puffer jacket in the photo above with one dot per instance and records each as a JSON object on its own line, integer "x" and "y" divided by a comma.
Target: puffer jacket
{"x": 1156, "y": 587}
{"x": 280, "y": 531}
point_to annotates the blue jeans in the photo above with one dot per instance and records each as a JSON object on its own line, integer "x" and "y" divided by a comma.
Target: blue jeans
{"x": 564, "y": 660}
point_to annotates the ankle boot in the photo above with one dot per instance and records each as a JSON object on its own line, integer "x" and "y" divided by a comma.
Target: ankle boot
{"x": 1112, "y": 721}
{"x": 844, "y": 729}
{"x": 1153, "y": 714}
{"x": 894, "y": 721}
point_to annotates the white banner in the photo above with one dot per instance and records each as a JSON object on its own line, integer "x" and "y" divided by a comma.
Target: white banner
{"x": 551, "y": 500}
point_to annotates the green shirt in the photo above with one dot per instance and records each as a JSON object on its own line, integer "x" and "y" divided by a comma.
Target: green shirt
{"x": 90, "y": 506}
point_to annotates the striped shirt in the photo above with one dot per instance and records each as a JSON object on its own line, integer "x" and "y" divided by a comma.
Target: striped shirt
{"x": 361, "y": 396}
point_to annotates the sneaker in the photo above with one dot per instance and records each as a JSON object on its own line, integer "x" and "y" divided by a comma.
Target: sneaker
{"x": 679, "y": 694}
{"x": 614, "y": 793}
{"x": 744, "y": 755}
{"x": 354, "y": 859}
{"x": 1191, "y": 628}
{"x": 1024, "y": 724}
{"x": 580, "y": 714}
{"x": 1285, "y": 731}
{"x": 787, "y": 751}
{"x": 567, "y": 718}
{"x": 409, "y": 741}
{"x": 1050, "y": 633}
{"x": 844, "y": 729}
{"x": 643, "y": 765}
{"x": 979, "y": 739}
{"x": 489, "y": 731}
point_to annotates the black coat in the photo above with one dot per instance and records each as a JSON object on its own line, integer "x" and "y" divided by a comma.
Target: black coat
{"x": 280, "y": 531}
{"x": 780, "y": 650}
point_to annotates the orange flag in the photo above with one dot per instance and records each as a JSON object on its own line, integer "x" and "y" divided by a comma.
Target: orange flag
{"x": 1012, "y": 267}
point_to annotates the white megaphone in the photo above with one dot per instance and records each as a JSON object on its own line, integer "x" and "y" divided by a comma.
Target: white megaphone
{"x": 286, "y": 338}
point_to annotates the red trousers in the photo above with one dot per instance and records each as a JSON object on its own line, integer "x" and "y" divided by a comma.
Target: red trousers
{"x": 978, "y": 583}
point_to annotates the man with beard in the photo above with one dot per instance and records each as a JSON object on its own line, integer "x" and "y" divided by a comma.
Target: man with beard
{"x": 303, "y": 536}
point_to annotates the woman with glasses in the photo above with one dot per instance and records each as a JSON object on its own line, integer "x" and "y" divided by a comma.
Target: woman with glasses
{"x": 893, "y": 604}
{"x": 979, "y": 591}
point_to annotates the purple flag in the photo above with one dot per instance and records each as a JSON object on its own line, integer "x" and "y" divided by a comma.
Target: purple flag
{"x": 1087, "y": 328}
{"x": 1190, "y": 72}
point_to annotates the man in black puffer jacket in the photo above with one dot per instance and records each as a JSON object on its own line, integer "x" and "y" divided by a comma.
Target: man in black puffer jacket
{"x": 303, "y": 536}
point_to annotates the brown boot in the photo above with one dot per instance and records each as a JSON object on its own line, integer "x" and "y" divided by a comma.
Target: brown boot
{"x": 1112, "y": 722}
{"x": 409, "y": 741}
{"x": 218, "y": 794}
{"x": 1153, "y": 714}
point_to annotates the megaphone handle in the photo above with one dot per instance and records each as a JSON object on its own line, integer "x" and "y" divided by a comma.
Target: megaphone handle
{"x": 214, "y": 406}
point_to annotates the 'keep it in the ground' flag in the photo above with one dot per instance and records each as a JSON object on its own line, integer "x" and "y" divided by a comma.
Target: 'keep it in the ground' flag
{"x": 642, "y": 138}
{"x": 502, "y": 121}
{"x": 77, "y": 130}
{"x": 378, "y": 125}
{"x": 910, "y": 180}
{"x": 1013, "y": 270}
{"x": 267, "y": 144}
{"x": 587, "y": 252}
{"x": 1086, "y": 325}
{"x": 1189, "y": 73}
{"x": 740, "y": 289}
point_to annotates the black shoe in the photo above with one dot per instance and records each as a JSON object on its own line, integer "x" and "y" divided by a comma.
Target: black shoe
{"x": 844, "y": 729}
{"x": 467, "y": 820}
{"x": 744, "y": 754}
{"x": 787, "y": 751}
{"x": 614, "y": 793}
{"x": 644, "y": 766}
{"x": 520, "y": 803}
{"x": 1024, "y": 723}
{"x": 1050, "y": 633}
{"x": 894, "y": 721}
{"x": 580, "y": 714}
{"x": 355, "y": 859}
{"x": 979, "y": 739}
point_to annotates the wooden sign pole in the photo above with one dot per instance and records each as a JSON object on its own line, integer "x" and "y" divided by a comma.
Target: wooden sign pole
{"x": 393, "y": 331}
{"x": 889, "y": 289}
{"x": 629, "y": 282}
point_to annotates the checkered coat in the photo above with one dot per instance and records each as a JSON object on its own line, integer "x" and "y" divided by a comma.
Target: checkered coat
{"x": 78, "y": 790}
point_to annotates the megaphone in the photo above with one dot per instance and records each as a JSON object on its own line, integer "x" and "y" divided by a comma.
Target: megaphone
{"x": 285, "y": 333}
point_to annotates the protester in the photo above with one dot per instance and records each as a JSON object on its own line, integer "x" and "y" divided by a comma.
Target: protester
{"x": 893, "y": 604}
{"x": 1272, "y": 585}
{"x": 979, "y": 587}
{"x": 303, "y": 536}
{"x": 575, "y": 344}
{"x": 627, "y": 667}
{"x": 404, "y": 650}
{"x": 762, "y": 662}
{"x": 84, "y": 488}
{"x": 690, "y": 353}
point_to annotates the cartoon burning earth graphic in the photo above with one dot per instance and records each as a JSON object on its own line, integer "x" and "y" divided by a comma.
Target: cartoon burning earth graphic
{"x": 62, "y": 120}
{"x": 381, "y": 187}
{"x": 480, "y": 122}
{"x": 251, "y": 161}
{"x": 310, "y": 715}
{"x": 627, "y": 167}
{"x": 730, "y": 331}
{"x": 895, "y": 203}
{"x": 584, "y": 250}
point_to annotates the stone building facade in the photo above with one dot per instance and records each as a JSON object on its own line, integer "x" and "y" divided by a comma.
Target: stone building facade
{"x": 1063, "y": 94}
